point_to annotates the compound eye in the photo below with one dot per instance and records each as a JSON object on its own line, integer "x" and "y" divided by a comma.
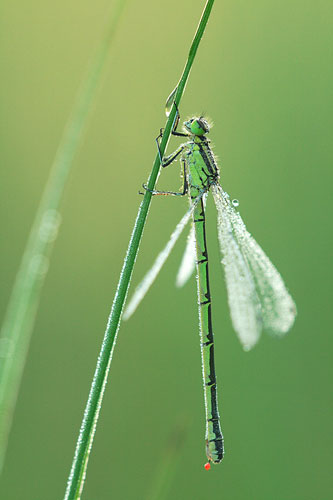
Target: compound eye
{"x": 199, "y": 127}
{"x": 203, "y": 125}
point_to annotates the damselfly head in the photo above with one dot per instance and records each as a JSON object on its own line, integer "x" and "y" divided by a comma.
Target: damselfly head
{"x": 197, "y": 126}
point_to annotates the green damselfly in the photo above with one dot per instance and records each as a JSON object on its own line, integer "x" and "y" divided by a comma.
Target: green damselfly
{"x": 257, "y": 296}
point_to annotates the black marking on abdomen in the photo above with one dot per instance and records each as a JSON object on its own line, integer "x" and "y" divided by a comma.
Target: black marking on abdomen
{"x": 202, "y": 261}
{"x": 205, "y": 302}
{"x": 208, "y": 343}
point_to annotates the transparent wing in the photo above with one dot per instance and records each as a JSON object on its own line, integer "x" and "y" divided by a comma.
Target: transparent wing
{"x": 257, "y": 295}
{"x": 187, "y": 264}
{"x": 277, "y": 306}
{"x": 148, "y": 280}
{"x": 242, "y": 296}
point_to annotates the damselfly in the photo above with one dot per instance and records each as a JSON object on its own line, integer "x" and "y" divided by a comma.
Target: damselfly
{"x": 257, "y": 296}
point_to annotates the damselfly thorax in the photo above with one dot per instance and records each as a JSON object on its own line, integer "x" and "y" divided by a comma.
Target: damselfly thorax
{"x": 202, "y": 169}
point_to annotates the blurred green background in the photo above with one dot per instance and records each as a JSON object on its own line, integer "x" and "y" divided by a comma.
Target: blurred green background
{"x": 264, "y": 75}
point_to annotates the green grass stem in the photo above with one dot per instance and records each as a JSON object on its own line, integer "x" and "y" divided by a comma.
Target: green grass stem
{"x": 21, "y": 311}
{"x": 87, "y": 431}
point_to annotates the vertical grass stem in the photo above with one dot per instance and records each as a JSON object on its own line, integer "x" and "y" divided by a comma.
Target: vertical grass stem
{"x": 87, "y": 431}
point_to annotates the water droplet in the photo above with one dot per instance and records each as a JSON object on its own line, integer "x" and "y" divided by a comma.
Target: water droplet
{"x": 169, "y": 101}
{"x": 235, "y": 203}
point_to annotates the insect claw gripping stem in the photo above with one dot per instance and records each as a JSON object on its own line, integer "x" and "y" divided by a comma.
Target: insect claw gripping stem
{"x": 154, "y": 192}
{"x": 174, "y": 132}
{"x": 146, "y": 188}
{"x": 158, "y": 146}
{"x": 176, "y": 123}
